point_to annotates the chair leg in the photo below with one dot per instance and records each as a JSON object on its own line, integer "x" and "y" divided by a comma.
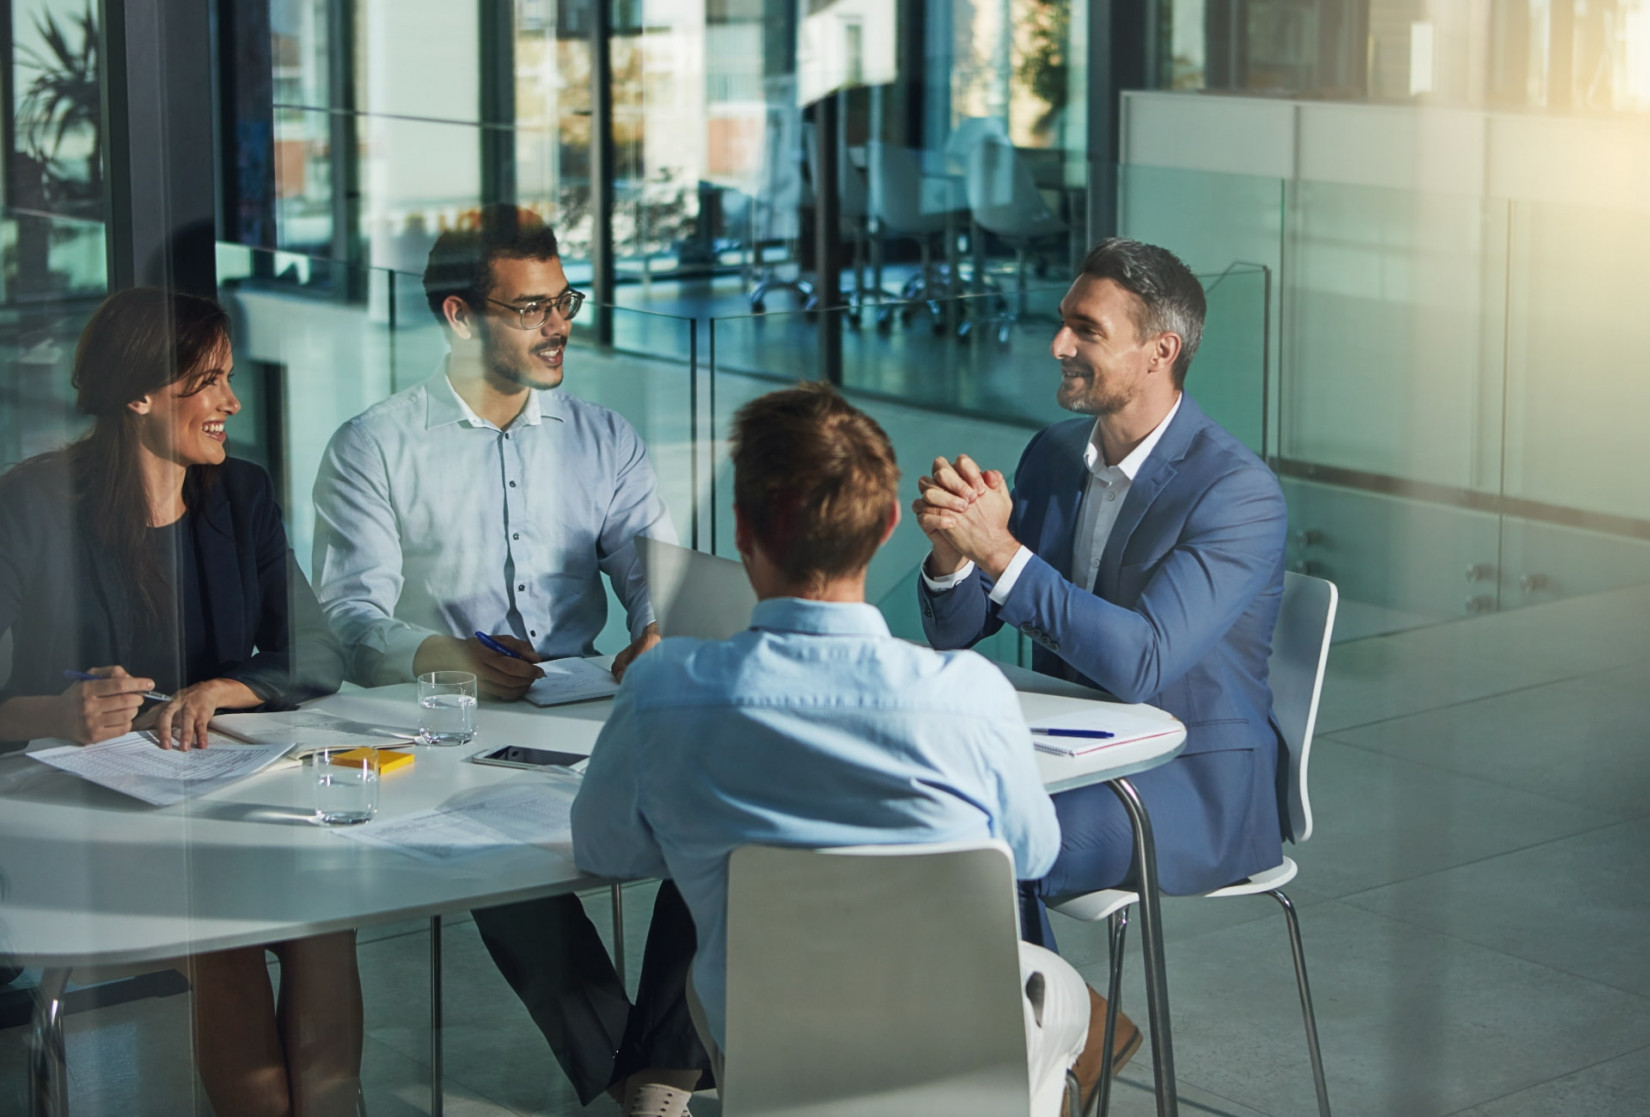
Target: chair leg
{"x": 1074, "y": 1093}
{"x": 1118, "y": 927}
{"x": 1308, "y": 1016}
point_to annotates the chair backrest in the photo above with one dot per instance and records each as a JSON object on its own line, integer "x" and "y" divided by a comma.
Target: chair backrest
{"x": 1300, "y": 651}
{"x": 1002, "y": 193}
{"x": 695, "y": 594}
{"x": 900, "y": 195}
{"x": 874, "y": 980}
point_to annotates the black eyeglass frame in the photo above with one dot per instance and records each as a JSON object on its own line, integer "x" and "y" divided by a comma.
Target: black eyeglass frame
{"x": 567, "y": 304}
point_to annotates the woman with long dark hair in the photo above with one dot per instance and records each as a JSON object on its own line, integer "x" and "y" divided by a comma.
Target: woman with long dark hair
{"x": 145, "y": 556}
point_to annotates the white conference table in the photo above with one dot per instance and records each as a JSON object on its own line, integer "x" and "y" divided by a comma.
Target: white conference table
{"x": 97, "y": 883}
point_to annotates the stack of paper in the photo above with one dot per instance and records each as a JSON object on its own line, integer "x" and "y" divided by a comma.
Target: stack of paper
{"x": 135, "y": 765}
{"x": 304, "y": 730}
{"x": 529, "y": 812}
{"x": 573, "y": 680}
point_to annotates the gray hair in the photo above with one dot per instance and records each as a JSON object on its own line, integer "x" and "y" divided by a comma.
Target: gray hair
{"x": 1171, "y": 298}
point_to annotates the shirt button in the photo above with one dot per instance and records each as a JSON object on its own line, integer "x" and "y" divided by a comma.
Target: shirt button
{"x": 516, "y": 535}
{"x": 535, "y": 632}
{"x": 1110, "y": 495}
{"x": 521, "y": 588}
{"x": 512, "y": 484}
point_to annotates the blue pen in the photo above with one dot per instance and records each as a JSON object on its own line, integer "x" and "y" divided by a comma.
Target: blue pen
{"x": 1092, "y": 734}
{"x": 86, "y": 676}
{"x": 494, "y": 646}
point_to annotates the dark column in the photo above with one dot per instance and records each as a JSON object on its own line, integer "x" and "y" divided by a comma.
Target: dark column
{"x": 246, "y": 117}
{"x": 349, "y": 281}
{"x": 1226, "y": 44}
{"x": 1118, "y": 49}
{"x": 498, "y": 101}
{"x": 160, "y": 185}
{"x": 602, "y": 166}
{"x": 828, "y": 234}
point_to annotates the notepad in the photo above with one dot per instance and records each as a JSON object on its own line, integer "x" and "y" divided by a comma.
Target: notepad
{"x": 573, "y": 680}
{"x": 386, "y": 760}
{"x": 135, "y": 765}
{"x": 1124, "y": 724}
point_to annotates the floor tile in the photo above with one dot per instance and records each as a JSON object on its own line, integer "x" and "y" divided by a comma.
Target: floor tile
{"x": 1580, "y": 742}
{"x": 1379, "y": 819}
{"x": 1616, "y": 1086}
{"x": 1413, "y": 1023}
{"x": 1580, "y": 904}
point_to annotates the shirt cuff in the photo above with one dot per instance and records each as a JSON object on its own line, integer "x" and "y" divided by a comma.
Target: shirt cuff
{"x": 944, "y": 581}
{"x": 401, "y": 646}
{"x": 1011, "y": 574}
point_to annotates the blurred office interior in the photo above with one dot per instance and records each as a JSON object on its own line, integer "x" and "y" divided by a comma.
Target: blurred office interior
{"x": 1423, "y": 227}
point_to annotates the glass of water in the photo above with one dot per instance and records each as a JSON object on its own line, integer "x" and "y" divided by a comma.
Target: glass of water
{"x": 346, "y": 786}
{"x": 447, "y": 708}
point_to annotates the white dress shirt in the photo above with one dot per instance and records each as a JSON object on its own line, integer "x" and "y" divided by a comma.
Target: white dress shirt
{"x": 1103, "y": 499}
{"x": 430, "y": 520}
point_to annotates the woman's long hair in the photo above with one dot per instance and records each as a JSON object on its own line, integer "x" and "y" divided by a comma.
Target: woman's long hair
{"x": 139, "y": 342}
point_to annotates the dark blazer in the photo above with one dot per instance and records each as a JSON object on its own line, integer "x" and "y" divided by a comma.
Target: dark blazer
{"x": 1181, "y": 617}
{"x": 64, "y": 599}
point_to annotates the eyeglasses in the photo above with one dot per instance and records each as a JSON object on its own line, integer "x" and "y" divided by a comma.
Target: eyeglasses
{"x": 537, "y": 313}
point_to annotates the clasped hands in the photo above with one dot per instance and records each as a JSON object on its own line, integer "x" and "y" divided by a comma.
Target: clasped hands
{"x": 964, "y": 512}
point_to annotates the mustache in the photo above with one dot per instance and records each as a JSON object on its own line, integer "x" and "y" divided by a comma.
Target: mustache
{"x": 553, "y": 343}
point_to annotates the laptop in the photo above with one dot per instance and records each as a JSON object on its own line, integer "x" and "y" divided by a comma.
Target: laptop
{"x": 695, "y": 594}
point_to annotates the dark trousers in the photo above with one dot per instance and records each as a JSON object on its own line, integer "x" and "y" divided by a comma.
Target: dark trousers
{"x": 550, "y": 953}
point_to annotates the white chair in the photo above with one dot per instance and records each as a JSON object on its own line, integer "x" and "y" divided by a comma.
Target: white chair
{"x": 905, "y": 202}
{"x": 1300, "y": 651}
{"x": 1005, "y": 201}
{"x": 879, "y": 981}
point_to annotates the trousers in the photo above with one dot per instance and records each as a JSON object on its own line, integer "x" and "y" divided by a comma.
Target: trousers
{"x": 554, "y": 959}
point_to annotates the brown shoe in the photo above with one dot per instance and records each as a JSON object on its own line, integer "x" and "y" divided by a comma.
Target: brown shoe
{"x": 1125, "y": 1042}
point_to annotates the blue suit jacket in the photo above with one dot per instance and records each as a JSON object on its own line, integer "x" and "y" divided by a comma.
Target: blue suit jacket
{"x": 1181, "y": 617}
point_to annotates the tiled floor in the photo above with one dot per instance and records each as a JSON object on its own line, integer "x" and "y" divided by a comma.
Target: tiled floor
{"x": 1473, "y": 903}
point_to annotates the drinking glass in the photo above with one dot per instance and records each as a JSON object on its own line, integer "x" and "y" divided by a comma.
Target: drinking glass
{"x": 446, "y": 708}
{"x": 346, "y": 786}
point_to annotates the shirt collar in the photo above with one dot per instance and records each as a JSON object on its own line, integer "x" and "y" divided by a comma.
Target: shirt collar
{"x": 446, "y": 406}
{"x": 822, "y": 618}
{"x": 1095, "y": 458}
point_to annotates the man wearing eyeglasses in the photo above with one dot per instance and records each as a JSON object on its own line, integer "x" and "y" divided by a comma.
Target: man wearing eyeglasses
{"x": 487, "y": 499}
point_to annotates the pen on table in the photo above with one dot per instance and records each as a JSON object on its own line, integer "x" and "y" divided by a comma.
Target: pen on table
{"x": 494, "y": 646}
{"x": 1092, "y": 734}
{"x": 88, "y": 677}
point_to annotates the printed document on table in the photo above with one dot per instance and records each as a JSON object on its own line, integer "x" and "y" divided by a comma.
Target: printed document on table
{"x": 134, "y": 765}
{"x": 573, "y": 680}
{"x": 528, "y": 812}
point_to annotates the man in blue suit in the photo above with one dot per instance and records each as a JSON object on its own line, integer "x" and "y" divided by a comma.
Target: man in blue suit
{"x": 1142, "y": 551}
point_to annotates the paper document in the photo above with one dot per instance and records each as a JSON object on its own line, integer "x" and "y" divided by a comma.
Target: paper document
{"x": 530, "y": 812}
{"x": 134, "y": 765}
{"x": 573, "y": 680}
{"x": 1123, "y": 724}
{"x": 305, "y": 730}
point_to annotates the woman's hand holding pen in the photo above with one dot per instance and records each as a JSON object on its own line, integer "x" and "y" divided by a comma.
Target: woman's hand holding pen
{"x": 101, "y": 707}
{"x": 181, "y": 721}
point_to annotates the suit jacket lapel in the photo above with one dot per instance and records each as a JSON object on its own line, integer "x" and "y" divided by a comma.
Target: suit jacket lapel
{"x": 1059, "y": 528}
{"x": 1158, "y": 470}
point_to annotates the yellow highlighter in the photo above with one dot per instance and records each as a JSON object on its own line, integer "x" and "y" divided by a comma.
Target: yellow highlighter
{"x": 388, "y": 759}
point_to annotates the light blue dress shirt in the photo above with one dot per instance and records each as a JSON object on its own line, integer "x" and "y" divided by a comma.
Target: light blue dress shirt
{"x": 429, "y": 520}
{"x": 813, "y": 728}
